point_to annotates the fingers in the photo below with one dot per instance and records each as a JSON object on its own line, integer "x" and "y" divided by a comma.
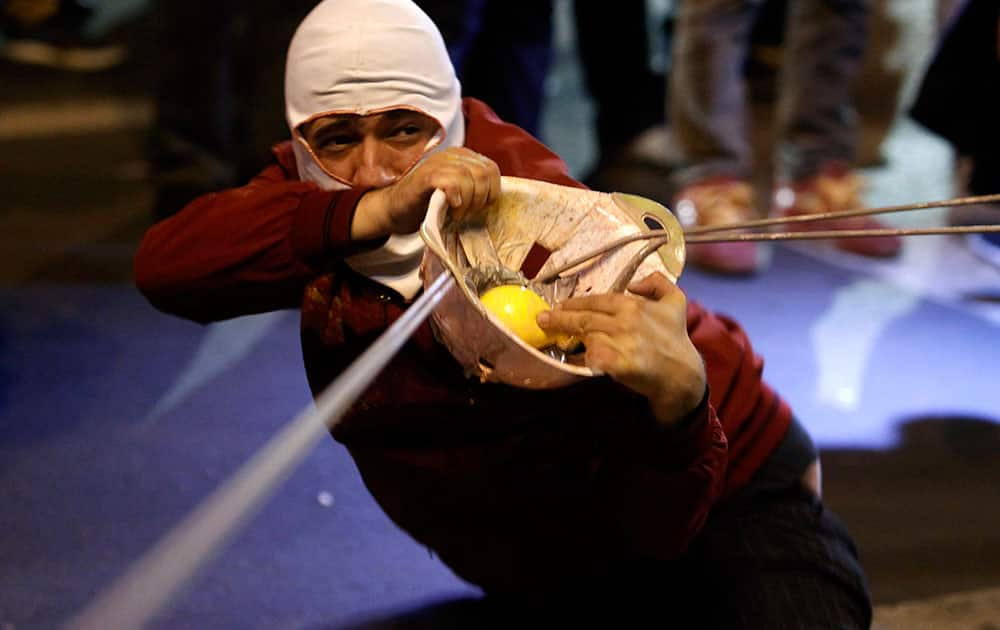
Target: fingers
{"x": 658, "y": 288}
{"x": 605, "y": 354}
{"x": 608, "y": 303}
{"x": 639, "y": 340}
{"x": 578, "y": 323}
{"x": 469, "y": 180}
{"x": 654, "y": 286}
{"x": 605, "y": 337}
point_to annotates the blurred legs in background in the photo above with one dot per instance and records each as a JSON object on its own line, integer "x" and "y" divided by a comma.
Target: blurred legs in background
{"x": 628, "y": 95}
{"x": 219, "y": 93}
{"x": 816, "y": 122}
{"x": 502, "y": 52}
{"x": 959, "y": 99}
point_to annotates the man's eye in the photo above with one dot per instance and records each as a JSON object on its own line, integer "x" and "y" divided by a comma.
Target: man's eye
{"x": 334, "y": 141}
{"x": 407, "y": 131}
{"x": 338, "y": 141}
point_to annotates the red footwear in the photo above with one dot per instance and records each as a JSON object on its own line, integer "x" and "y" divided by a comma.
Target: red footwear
{"x": 835, "y": 189}
{"x": 719, "y": 201}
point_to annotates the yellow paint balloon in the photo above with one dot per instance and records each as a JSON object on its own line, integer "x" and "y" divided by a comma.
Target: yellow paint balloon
{"x": 517, "y": 306}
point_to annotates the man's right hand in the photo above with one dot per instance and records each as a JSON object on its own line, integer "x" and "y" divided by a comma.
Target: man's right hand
{"x": 470, "y": 181}
{"x": 640, "y": 339}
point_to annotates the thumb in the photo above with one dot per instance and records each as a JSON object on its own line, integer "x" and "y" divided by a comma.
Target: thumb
{"x": 654, "y": 286}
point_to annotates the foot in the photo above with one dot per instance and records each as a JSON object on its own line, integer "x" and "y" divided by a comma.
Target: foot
{"x": 835, "y": 189}
{"x": 713, "y": 202}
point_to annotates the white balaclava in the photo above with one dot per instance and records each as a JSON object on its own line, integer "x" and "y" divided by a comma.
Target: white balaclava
{"x": 364, "y": 57}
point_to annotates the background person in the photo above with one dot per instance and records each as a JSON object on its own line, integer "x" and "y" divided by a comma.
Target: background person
{"x": 816, "y": 133}
{"x": 958, "y": 99}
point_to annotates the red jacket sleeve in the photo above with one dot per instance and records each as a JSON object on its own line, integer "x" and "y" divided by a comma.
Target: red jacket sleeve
{"x": 662, "y": 490}
{"x": 246, "y": 250}
{"x": 753, "y": 417}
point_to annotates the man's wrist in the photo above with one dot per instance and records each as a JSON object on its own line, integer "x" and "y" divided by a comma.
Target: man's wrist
{"x": 673, "y": 415}
{"x": 678, "y": 402}
{"x": 364, "y": 226}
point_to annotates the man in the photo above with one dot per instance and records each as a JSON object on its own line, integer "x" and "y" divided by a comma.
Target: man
{"x": 621, "y": 493}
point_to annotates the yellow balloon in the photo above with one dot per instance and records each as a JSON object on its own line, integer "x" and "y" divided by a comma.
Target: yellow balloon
{"x": 517, "y": 306}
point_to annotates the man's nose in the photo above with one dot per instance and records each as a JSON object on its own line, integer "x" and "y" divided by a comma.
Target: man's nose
{"x": 373, "y": 168}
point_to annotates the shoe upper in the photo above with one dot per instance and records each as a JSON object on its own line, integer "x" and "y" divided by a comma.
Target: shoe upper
{"x": 834, "y": 190}
{"x": 715, "y": 202}
{"x": 718, "y": 202}
{"x": 829, "y": 191}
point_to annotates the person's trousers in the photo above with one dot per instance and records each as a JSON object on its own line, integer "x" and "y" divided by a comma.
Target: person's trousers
{"x": 502, "y": 52}
{"x": 771, "y": 557}
{"x": 782, "y": 561}
{"x": 959, "y": 96}
{"x": 815, "y": 117}
{"x": 219, "y": 93}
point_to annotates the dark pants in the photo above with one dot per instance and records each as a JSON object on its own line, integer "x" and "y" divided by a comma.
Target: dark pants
{"x": 959, "y": 98}
{"x": 782, "y": 561}
{"x": 613, "y": 46}
{"x": 501, "y": 51}
{"x": 816, "y": 121}
{"x": 219, "y": 94}
{"x": 772, "y": 558}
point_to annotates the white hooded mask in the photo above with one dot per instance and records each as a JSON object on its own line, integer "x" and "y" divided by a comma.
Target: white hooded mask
{"x": 364, "y": 57}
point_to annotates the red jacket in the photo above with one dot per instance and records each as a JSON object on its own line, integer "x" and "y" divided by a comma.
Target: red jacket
{"x": 512, "y": 488}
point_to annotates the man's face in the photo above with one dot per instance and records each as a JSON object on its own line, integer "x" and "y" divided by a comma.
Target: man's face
{"x": 373, "y": 150}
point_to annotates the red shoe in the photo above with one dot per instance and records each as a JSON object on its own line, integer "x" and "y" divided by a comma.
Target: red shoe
{"x": 720, "y": 201}
{"x": 835, "y": 189}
